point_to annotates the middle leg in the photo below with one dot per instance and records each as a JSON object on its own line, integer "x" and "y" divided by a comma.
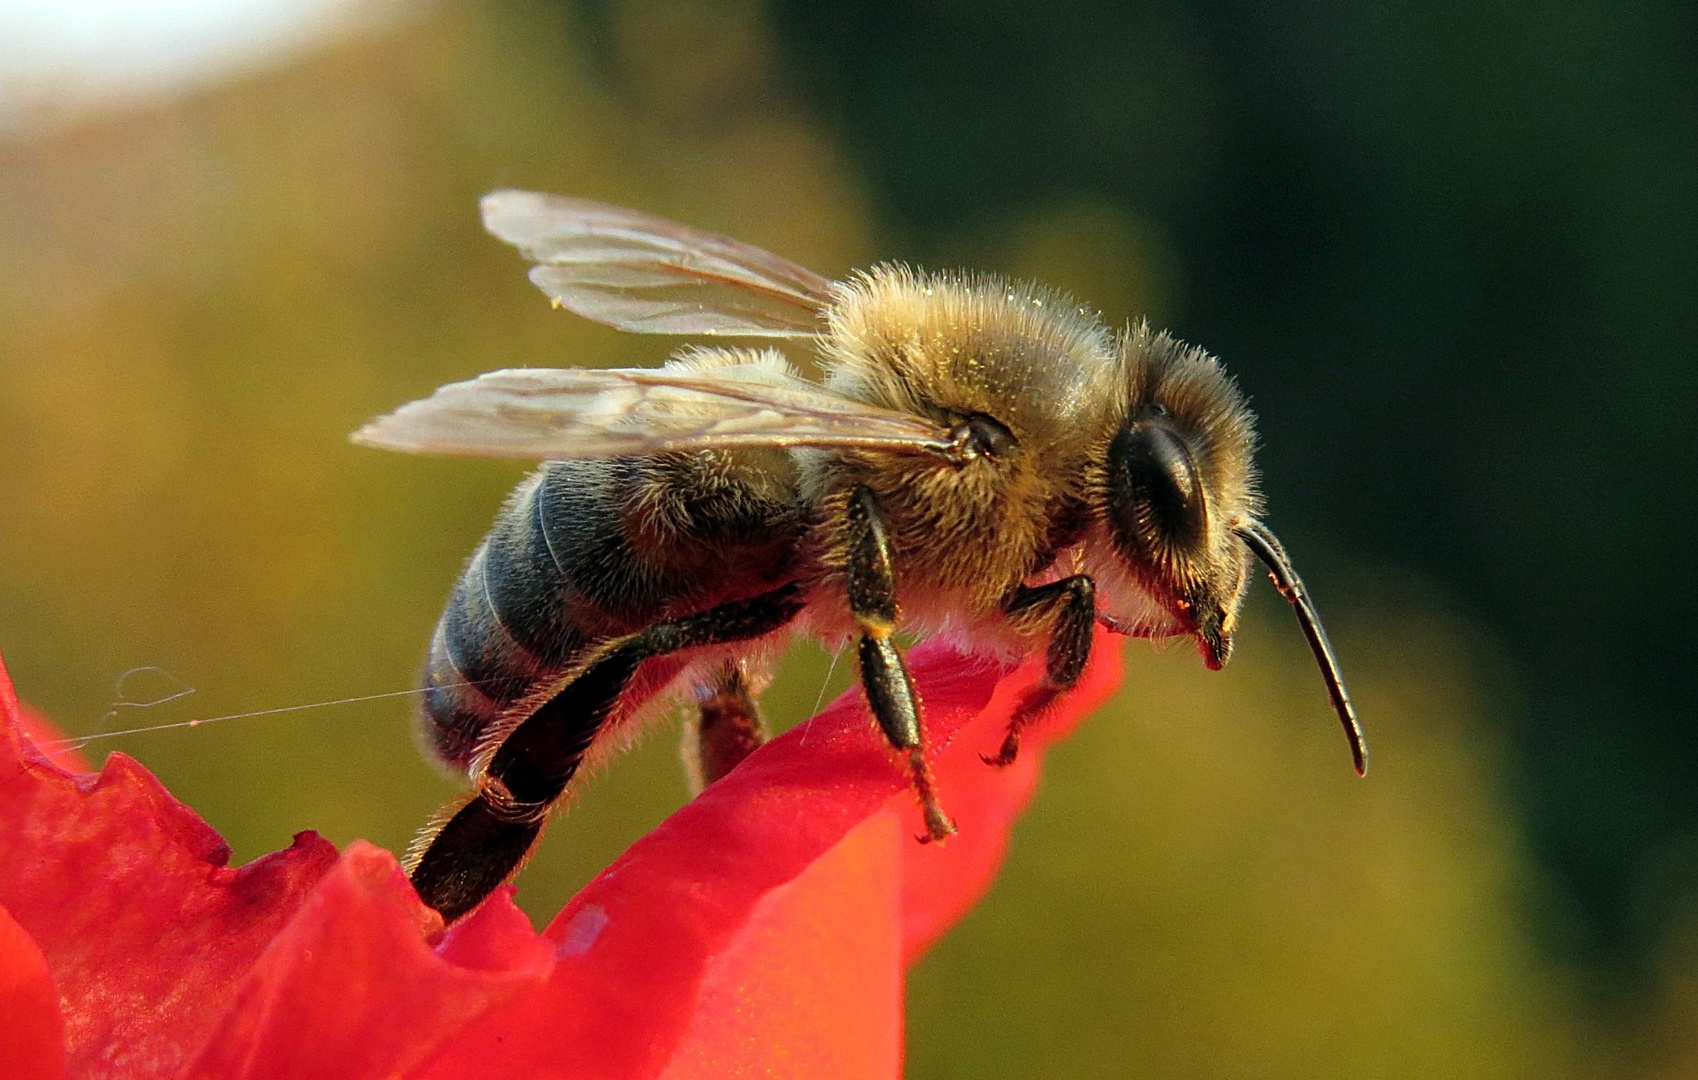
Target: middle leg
{"x": 884, "y": 677}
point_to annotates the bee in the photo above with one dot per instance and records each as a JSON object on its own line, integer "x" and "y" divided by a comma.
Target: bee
{"x": 983, "y": 459}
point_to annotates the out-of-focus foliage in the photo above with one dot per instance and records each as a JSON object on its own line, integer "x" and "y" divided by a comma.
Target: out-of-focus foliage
{"x": 1443, "y": 252}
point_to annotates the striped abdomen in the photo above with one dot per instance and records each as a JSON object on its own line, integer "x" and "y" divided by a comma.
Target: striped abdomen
{"x": 586, "y": 551}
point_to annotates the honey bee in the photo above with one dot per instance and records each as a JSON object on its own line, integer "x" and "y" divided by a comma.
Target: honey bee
{"x": 983, "y": 459}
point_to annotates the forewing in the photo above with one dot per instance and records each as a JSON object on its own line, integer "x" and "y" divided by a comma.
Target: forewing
{"x": 642, "y": 273}
{"x": 552, "y": 413}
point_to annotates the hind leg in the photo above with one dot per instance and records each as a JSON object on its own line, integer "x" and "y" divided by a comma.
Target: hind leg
{"x": 727, "y": 728}
{"x": 470, "y": 851}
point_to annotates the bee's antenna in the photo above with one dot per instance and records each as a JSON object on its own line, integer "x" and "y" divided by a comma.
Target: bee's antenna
{"x": 1268, "y": 548}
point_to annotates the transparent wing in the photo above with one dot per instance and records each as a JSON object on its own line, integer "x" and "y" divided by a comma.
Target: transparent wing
{"x": 652, "y": 276}
{"x": 551, "y": 413}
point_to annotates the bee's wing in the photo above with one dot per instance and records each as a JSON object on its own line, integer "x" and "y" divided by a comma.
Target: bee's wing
{"x": 652, "y": 276}
{"x": 551, "y": 413}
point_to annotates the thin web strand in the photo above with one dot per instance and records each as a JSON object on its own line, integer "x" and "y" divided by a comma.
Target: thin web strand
{"x": 79, "y": 742}
{"x": 808, "y": 724}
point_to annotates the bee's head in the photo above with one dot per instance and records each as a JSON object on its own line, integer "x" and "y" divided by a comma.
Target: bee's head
{"x": 1178, "y": 480}
{"x": 1182, "y": 511}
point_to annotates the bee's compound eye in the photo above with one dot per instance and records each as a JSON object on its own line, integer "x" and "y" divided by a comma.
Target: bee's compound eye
{"x": 1155, "y": 494}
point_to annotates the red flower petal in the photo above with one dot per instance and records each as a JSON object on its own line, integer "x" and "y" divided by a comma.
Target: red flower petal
{"x": 351, "y": 989}
{"x": 639, "y": 943}
{"x": 34, "y": 1046}
{"x": 760, "y": 929}
{"x": 792, "y": 993}
{"x": 49, "y": 742}
{"x": 126, "y": 892}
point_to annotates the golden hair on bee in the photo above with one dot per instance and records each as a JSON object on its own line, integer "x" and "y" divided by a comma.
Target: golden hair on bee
{"x": 1019, "y": 368}
{"x": 983, "y": 458}
{"x": 972, "y": 343}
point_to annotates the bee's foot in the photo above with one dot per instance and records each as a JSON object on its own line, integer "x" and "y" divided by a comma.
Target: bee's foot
{"x": 1004, "y": 757}
{"x": 938, "y": 825}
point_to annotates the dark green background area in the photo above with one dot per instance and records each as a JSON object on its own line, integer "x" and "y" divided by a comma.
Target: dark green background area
{"x": 1450, "y": 248}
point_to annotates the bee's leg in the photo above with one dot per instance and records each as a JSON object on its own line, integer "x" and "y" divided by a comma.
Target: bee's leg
{"x": 727, "y": 730}
{"x": 1069, "y": 606}
{"x": 884, "y": 677}
{"x": 465, "y": 858}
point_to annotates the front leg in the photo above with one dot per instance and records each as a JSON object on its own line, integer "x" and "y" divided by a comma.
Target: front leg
{"x": 1069, "y": 606}
{"x": 884, "y": 677}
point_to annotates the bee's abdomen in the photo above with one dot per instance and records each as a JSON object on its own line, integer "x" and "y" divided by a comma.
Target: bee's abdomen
{"x": 560, "y": 572}
{"x": 507, "y": 626}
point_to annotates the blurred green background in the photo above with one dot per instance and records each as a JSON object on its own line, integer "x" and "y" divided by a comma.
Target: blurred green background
{"x": 1448, "y": 249}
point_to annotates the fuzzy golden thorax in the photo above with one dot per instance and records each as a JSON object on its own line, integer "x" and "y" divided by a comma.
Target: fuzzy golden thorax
{"x": 968, "y": 349}
{"x": 1176, "y": 480}
{"x": 954, "y": 345}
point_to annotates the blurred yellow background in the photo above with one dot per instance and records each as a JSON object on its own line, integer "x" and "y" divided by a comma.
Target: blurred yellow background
{"x": 201, "y": 296}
